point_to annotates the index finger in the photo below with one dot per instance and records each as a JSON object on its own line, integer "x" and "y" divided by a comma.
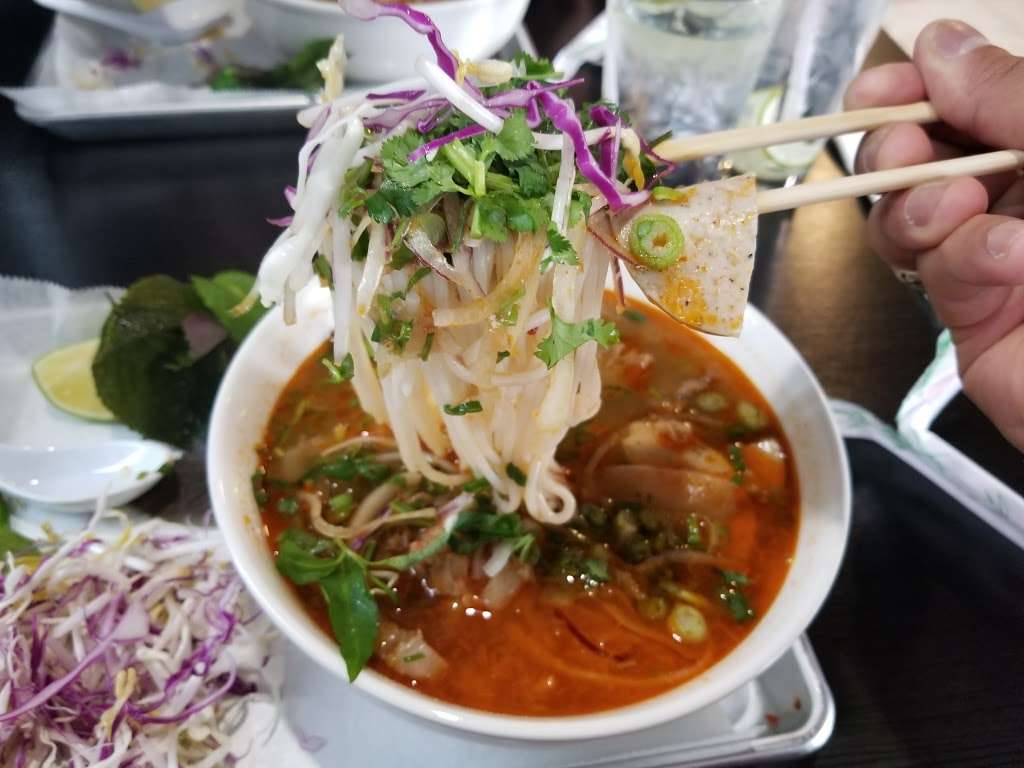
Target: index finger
{"x": 887, "y": 85}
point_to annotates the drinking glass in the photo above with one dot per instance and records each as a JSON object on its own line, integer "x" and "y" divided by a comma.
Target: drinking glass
{"x": 687, "y": 66}
{"x": 818, "y": 47}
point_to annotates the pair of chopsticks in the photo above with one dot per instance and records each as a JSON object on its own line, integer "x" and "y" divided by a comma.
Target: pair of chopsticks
{"x": 827, "y": 126}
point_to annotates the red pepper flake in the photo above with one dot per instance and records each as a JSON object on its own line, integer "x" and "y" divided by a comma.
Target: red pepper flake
{"x": 772, "y": 720}
{"x": 797, "y": 704}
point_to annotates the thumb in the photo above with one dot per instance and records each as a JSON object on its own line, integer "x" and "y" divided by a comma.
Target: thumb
{"x": 976, "y": 87}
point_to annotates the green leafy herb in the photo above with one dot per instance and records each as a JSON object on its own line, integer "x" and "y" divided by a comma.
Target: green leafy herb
{"x": 477, "y": 527}
{"x": 515, "y": 474}
{"x": 560, "y": 250}
{"x": 10, "y": 541}
{"x": 733, "y": 596}
{"x": 535, "y": 68}
{"x": 533, "y": 180}
{"x": 418, "y": 275}
{"x": 349, "y": 466}
{"x": 408, "y": 560}
{"x": 297, "y": 73}
{"x": 361, "y": 246}
{"x": 323, "y": 270}
{"x": 579, "y": 208}
{"x": 428, "y": 342}
{"x": 143, "y": 370}
{"x": 513, "y": 142}
{"x": 694, "y": 537}
{"x": 304, "y": 558}
{"x": 342, "y": 503}
{"x": 634, "y": 315}
{"x": 476, "y": 485}
{"x": 566, "y": 337}
{"x": 390, "y": 201}
{"x": 736, "y": 459}
{"x": 508, "y": 309}
{"x": 259, "y": 490}
{"x": 342, "y": 372}
{"x": 413, "y": 657}
{"x": 353, "y": 614}
{"x": 287, "y": 506}
{"x": 502, "y": 354}
{"x": 470, "y": 406}
{"x": 353, "y": 188}
{"x": 222, "y": 293}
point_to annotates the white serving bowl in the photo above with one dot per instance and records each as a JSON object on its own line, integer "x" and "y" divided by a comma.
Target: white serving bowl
{"x": 273, "y": 351}
{"x": 386, "y": 49}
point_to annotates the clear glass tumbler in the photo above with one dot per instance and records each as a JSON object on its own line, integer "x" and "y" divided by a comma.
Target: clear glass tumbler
{"x": 687, "y": 66}
{"x": 818, "y": 48}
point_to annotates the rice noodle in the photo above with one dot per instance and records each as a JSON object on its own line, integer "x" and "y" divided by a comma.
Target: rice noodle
{"x": 463, "y": 342}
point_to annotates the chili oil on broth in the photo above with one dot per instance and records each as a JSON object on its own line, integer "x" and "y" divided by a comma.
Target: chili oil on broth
{"x": 565, "y": 642}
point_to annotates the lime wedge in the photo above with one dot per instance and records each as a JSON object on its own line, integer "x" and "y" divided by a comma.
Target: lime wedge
{"x": 64, "y": 376}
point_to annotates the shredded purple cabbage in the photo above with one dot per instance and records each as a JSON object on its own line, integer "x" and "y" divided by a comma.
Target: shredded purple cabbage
{"x": 464, "y": 133}
{"x": 406, "y": 95}
{"x": 91, "y": 639}
{"x": 603, "y": 116}
{"x": 562, "y": 113}
{"x": 389, "y": 118}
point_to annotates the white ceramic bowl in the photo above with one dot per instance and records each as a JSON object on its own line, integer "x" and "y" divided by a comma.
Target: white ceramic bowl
{"x": 386, "y": 49}
{"x": 272, "y": 352}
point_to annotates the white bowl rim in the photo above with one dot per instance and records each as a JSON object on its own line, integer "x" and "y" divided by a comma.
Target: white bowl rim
{"x": 641, "y": 715}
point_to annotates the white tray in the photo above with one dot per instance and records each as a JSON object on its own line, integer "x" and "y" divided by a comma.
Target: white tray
{"x": 203, "y": 113}
{"x": 787, "y": 712}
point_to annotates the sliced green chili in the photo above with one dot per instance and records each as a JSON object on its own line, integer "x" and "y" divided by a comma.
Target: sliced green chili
{"x": 656, "y": 240}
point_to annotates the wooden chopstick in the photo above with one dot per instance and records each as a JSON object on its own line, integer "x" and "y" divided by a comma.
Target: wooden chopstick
{"x": 887, "y": 181}
{"x": 821, "y": 127}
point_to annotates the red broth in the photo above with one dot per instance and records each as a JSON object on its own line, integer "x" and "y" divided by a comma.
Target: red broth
{"x": 686, "y": 529}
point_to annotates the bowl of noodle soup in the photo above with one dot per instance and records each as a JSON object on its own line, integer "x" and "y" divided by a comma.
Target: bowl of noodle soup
{"x": 477, "y": 460}
{"x": 265, "y": 365}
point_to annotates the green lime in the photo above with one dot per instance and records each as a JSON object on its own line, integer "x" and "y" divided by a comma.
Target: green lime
{"x": 64, "y": 376}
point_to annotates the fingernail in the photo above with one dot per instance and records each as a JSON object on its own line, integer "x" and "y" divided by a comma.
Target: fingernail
{"x": 1006, "y": 240}
{"x": 922, "y": 202}
{"x": 954, "y": 38}
{"x": 869, "y": 149}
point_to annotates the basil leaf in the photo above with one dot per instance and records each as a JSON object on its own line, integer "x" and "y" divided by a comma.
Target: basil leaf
{"x": 304, "y": 558}
{"x": 408, "y": 560}
{"x": 353, "y": 613}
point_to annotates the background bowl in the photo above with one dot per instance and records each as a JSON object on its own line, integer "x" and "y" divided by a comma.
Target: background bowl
{"x": 273, "y": 351}
{"x": 386, "y": 49}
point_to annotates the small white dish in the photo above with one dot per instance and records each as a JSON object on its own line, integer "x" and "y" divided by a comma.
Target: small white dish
{"x": 72, "y": 479}
{"x": 386, "y": 48}
{"x": 173, "y": 23}
{"x": 273, "y": 351}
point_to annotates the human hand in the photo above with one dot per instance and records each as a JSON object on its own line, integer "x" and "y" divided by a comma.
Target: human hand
{"x": 964, "y": 237}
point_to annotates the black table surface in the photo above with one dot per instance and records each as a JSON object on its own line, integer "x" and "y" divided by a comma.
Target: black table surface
{"x": 922, "y": 638}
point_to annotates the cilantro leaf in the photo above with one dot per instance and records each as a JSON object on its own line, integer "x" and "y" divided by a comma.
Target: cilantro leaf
{"x": 391, "y": 200}
{"x": 533, "y": 180}
{"x": 534, "y": 68}
{"x": 489, "y": 220}
{"x": 560, "y": 250}
{"x": 566, "y": 337}
{"x": 513, "y": 142}
{"x": 341, "y": 372}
